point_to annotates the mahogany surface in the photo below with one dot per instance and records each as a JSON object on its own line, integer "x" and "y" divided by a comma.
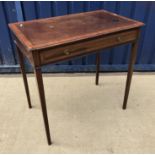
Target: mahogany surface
{"x": 38, "y": 34}
{"x": 61, "y": 38}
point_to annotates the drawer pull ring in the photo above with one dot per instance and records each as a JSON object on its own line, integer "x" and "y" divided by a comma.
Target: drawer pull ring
{"x": 66, "y": 52}
{"x": 119, "y": 39}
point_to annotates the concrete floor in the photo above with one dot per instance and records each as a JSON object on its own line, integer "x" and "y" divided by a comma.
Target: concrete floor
{"x": 83, "y": 117}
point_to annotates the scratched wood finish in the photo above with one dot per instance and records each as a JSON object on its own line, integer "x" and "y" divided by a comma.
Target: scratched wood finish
{"x": 70, "y": 28}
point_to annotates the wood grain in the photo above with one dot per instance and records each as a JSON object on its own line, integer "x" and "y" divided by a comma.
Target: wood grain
{"x": 49, "y": 32}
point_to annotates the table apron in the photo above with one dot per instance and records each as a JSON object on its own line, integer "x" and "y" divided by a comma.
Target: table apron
{"x": 65, "y": 52}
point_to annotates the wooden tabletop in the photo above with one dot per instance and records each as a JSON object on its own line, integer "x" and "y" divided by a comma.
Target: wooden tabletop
{"x": 49, "y": 32}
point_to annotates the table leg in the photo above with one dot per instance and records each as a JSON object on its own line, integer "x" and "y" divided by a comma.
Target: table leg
{"x": 21, "y": 62}
{"x": 39, "y": 80}
{"x": 130, "y": 72}
{"x": 97, "y": 67}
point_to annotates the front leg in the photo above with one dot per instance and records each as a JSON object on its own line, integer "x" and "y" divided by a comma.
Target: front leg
{"x": 40, "y": 84}
{"x": 97, "y": 67}
{"x": 130, "y": 72}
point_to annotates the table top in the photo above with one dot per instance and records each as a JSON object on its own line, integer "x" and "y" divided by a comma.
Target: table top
{"x": 50, "y": 32}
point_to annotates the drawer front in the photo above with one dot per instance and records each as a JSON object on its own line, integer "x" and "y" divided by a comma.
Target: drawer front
{"x": 85, "y": 47}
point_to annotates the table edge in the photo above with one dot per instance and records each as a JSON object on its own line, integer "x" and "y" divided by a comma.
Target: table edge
{"x": 30, "y": 47}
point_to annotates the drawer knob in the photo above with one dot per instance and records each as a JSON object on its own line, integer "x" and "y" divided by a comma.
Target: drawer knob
{"x": 119, "y": 39}
{"x": 66, "y": 52}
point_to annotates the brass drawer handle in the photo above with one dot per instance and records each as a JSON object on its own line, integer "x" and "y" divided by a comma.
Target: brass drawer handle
{"x": 119, "y": 39}
{"x": 66, "y": 52}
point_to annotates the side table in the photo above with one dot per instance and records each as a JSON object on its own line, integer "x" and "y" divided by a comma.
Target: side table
{"x": 56, "y": 39}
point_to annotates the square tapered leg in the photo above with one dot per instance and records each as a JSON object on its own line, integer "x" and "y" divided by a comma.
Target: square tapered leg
{"x": 40, "y": 84}
{"x": 22, "y": 67}
{"x": 130, "y": 72}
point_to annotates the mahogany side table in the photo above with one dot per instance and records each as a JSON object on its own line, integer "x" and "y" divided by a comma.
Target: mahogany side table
{"x": 51, "y": 40}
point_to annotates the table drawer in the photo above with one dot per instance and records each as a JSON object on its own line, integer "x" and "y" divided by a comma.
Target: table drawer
{"x": 85, "y": 47}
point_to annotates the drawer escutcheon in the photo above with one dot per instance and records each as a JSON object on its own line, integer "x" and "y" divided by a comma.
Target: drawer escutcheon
{"x": 66, "y": 52}
{"x": 119, "y": 39}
